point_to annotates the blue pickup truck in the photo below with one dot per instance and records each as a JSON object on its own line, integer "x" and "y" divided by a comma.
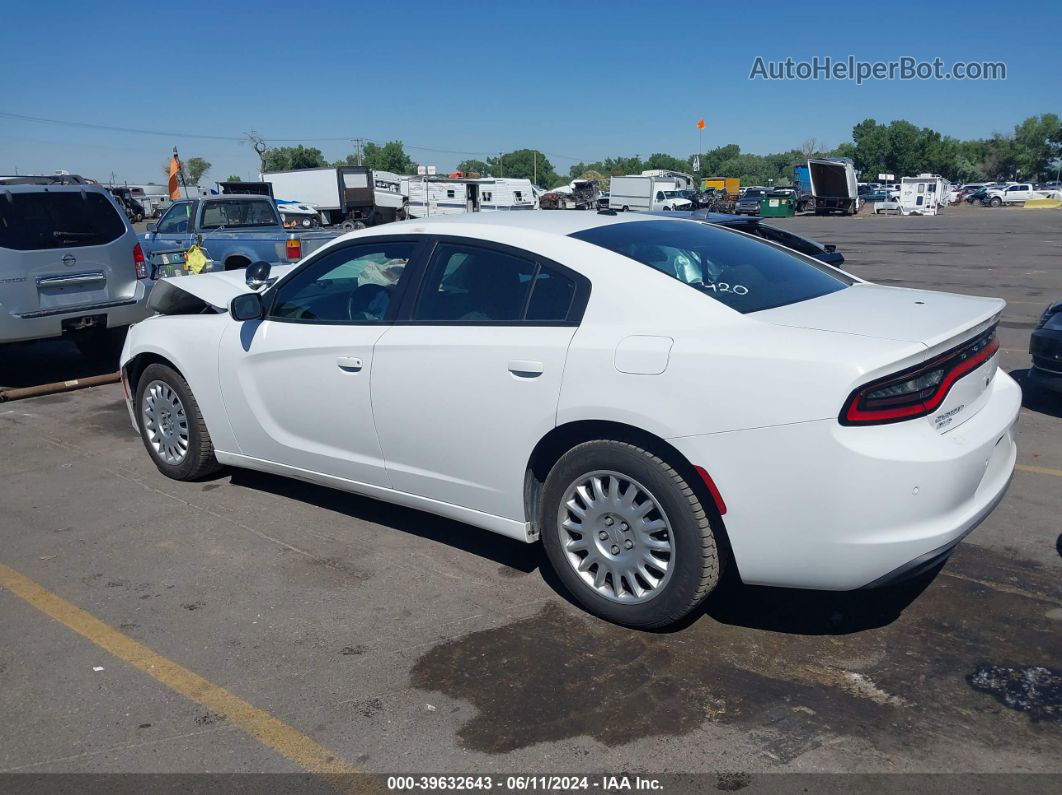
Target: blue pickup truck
{"x": 233, "y": 230}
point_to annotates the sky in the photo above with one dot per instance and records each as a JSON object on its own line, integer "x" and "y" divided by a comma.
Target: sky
{"x": 452, "y": 80}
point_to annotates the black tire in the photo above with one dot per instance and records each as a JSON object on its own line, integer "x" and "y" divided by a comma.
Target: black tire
{"x": 995, "y": 201}
{"x": 199, "y": 460}
{"x": 696, "y": 558}
{"x": 102, "y": 346}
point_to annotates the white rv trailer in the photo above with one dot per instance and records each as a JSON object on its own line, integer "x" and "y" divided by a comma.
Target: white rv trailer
{"x": 926, "y": 194}
{"x": 351, "y": 196}
{"x": 448, "y": 196}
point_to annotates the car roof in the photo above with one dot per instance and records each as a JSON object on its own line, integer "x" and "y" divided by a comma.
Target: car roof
{"x": 558, "y": 222}
{"x": 6, "y": 187}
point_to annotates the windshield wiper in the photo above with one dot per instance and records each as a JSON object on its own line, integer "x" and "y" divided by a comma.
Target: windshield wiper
{"x": 73, "y": 235}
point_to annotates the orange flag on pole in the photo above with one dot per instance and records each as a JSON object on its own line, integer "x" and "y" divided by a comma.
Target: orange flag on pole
{"x": 700, "y": 124}
{"x": 175, "y": 170}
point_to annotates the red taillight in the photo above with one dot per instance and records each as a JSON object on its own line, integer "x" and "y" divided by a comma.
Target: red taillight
{"x": 918, "y": 390}
{"x": 293, "y": 250}
{"x": 139, "y": 263}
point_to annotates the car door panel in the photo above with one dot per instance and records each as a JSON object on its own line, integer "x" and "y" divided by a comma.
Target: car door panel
{"x": 297, "y": 384}
{"x": 464, "y": 390}
{"x": 291, "y": 401}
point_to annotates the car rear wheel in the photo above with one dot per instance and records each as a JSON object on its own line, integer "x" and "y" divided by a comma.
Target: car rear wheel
{"x": 172, "y": 426}
{"x": 627, "y": 535}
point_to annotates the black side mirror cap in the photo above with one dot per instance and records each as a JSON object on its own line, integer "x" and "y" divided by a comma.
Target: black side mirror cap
{"x": 247, "y": 306}
{"x": 257, "y": 275}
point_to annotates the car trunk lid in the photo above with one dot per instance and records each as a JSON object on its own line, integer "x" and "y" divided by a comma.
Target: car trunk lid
{"x": 940, "y": 322}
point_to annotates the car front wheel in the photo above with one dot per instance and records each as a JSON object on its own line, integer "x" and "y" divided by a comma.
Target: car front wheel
{"x": 172, "y": 426}
{"x": 627, "y": 535}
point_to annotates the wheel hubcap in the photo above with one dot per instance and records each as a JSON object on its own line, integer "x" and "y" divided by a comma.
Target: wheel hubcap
{"x": 165, "y": 423}
{"x": 616, "y": 537}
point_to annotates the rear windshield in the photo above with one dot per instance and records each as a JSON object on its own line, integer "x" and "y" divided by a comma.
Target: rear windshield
{"x": 237, "y": 214}
{"x": 45, "y": 220}
{"x": 744, "y": 273}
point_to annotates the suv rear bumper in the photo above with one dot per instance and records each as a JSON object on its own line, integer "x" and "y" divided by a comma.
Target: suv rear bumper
{"x": 49, "y": 323}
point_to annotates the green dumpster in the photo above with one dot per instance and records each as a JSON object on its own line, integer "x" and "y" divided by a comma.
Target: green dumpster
{"x": 777, "y": 205}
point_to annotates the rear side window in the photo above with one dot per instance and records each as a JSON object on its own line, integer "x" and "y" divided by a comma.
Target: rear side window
{"x": 45, "y": 220}
{"x": 468, "y": 284}
{"x": 746, "y": 274}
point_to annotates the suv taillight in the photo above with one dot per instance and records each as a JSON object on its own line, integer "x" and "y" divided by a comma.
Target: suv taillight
{"x": 918, "y": 390}
{"x": 293, "y": 250}
{"x": 139, "y": 263}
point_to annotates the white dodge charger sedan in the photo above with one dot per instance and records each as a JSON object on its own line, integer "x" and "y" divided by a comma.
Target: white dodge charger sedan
{"x": 653, "y": 399}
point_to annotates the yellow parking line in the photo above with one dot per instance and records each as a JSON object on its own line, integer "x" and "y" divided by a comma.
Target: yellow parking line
{"x": 269, "y": 731}
{"x": 1039, "y": 470}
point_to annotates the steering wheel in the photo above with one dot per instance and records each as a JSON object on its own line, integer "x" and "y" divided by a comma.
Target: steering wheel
{"x": 360, "y": 299}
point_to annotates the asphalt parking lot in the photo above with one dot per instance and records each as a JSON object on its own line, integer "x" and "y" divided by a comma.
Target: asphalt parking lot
{"x": 250, "y": 623}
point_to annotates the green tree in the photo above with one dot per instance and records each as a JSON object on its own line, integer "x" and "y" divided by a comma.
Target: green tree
{"x": 523, "y": 163}
{"x": 1038, "y": 141}
{"x": 234, "y": 178}
{"x": 289, "y": 158}
{"x": 473, "y": 167}
{"x": 194, "y": 169}
{"x": 389, "y": 157}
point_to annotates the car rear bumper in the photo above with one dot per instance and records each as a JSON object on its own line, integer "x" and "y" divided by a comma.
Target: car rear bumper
{"x": 820, "y": 505}
{"x": 39, "y": 325}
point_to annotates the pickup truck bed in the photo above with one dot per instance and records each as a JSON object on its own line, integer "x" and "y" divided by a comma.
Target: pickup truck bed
{"x": 233, "y": 230}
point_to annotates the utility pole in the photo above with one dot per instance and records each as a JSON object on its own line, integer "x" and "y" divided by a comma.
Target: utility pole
{"x": 357, "y": 150}
{"x": 535, "y": 153}
{"x": 501, "y": 168}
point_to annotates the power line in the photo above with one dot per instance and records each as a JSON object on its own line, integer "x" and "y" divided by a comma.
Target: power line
{"x": 243, "y": 138}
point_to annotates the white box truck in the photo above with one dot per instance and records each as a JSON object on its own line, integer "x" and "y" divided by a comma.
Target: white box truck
{"x": 645, "y": 194}
{"x": 349, "y": 196}
{"x": 833, "y": 186}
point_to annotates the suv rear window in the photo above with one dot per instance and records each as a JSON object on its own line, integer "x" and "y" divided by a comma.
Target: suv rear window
{"x": 67, "y": 219}
{"x": 744, "y": 273}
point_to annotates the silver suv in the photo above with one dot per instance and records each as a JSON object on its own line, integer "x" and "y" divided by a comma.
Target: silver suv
{"x": 70, "y": 265}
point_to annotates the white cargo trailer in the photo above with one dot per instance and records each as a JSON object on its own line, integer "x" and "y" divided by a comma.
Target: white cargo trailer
{"x": 351, "y": 196}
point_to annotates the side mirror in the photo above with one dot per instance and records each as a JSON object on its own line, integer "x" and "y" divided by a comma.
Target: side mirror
{"x": 246, "y": 306}
{"x": 257, "y": 275}
{"x": 830, "y": 248}
{"x": 153, "y": 228}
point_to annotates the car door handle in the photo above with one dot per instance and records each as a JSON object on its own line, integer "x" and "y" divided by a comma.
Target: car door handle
{"x": 526, "y": 368}
{"x": 350, "y": 363}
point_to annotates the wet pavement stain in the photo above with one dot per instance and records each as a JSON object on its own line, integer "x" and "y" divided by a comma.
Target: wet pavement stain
{"x": 1031, "y": 689}
{"x": 795, "y": 669}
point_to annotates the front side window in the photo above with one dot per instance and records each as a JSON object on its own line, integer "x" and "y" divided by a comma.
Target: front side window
{"x": 238, "y": 214}
{"x": 746, "y": 274}
{"x": 46, "y": 220}
{"x": 176, "y": 219}
{"x": 354, "y": 284}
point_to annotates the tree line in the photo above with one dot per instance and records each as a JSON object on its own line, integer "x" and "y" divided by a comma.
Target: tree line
{"x": 1032, "y": 151}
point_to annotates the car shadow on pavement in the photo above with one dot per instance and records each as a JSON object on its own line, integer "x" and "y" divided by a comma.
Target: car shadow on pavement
{"x": 505, "y": 551}
{"x": 45, "y": 362}
{"x": 1036, "y": 398}
{"x": 783, "y": 610}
